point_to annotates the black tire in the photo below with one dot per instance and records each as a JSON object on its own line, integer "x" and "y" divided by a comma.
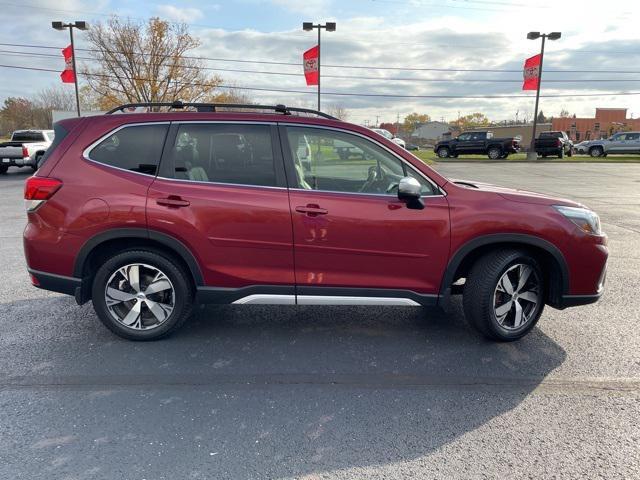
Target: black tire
{"x": 443, "y": 152}
{"x": 504, "y": 156}
{"x": 596, "y": 152}
{"x": 37, "y": 165}
{"x": 494, "y": 153}
{"x": 3, "y": 169}
{"x": 182, "y": 287}
{"x": 570, "y": 152}
{"x": 480, "y": 293}
{"x": 561, "y": 153}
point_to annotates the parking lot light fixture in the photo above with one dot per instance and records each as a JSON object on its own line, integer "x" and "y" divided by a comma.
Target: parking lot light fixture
{"x": 80, "y": 25}
{"x": 329, "y": 27}
{"x": 532, "y": 155}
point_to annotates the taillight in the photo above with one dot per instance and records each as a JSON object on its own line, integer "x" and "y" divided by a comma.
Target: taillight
{"x": 25, "y": 152}
{"x": 38, "y": 190}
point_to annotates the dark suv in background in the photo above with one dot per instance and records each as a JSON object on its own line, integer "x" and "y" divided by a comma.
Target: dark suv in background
{"x": 145, "y": 214}
{"x": 477, "y": 143}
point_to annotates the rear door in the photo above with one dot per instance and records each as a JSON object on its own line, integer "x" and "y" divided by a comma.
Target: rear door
{"x": 352, "y": 236}
{"x": 221, "y": 191}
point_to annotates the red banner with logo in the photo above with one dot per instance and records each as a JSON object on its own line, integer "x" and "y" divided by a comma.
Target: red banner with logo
{"x": 68, "y": 75}
{"x": 310, "y": 61}
{"x": 531, "y": 73}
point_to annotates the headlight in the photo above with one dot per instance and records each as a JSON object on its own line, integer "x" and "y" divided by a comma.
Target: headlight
{"x": 586, "y": 219}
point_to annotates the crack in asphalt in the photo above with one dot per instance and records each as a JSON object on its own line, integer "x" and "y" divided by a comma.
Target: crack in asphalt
{"x": 389, "y": 380}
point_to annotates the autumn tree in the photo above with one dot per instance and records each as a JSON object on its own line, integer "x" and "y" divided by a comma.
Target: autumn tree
{"x": 145, "y": 62}
{"x": 473, "y": 120}
{"x": 412, "y": 121}
{"x": 564, "y": 113}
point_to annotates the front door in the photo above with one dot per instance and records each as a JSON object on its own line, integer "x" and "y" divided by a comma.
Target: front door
{"x": 352, "y": 236}
{"x": 221, "y": 192}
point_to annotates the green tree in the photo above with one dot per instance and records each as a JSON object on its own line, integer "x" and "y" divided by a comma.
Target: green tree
{"x": 412, "y": 121}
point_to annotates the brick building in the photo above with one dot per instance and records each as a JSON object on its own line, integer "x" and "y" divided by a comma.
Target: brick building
{"x": 606, "y": 122}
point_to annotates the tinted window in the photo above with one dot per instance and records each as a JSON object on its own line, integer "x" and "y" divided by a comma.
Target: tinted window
{"x": 464, "y": 137}
{"x": 28, "y": 137}
{"x": 341, "y": 162}
{"x": 136, "y": 148}
{"x": 239, "y": 154}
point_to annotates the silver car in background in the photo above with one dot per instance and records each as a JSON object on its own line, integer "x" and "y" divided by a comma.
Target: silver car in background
{"x": 618, "y": 143}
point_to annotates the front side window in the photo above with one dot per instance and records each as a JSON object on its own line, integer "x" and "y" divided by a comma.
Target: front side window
{"x": 342, "y": 162}
{"x": 136, "y": 148}
{"x": 464, "y": 137}
{"x": 224, "y": 153}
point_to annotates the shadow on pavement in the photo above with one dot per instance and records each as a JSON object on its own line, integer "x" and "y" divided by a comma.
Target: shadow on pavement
{"x": 252, "y": 392}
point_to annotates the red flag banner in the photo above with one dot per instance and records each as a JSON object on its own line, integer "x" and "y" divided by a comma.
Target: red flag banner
{"x": 310, "y": 61}
{"x": 531, "y": 73}
{"x": 68, "y": 75}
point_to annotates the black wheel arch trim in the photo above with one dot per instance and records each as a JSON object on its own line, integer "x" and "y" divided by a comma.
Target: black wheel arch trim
{"x": 122, "y": 233}
{"x": 497, "y": 238}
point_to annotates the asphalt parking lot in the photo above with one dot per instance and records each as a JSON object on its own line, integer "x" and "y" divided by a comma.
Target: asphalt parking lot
{"x": 318, "y": 392}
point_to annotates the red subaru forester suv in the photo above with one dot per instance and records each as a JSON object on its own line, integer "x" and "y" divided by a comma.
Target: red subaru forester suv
{"x": 146, "y": 214}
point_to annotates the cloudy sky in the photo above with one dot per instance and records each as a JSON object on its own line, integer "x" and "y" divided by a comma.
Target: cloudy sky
{"x": 600, "y": 42}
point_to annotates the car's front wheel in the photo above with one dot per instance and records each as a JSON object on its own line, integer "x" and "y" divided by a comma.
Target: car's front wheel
{"x": 142, "y": 295}
{"x": 596, "y": 152}
{"x": 494, "y": 153}
{"x": 503, "y": 294}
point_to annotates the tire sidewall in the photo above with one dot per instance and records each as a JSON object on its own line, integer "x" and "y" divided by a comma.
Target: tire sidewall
{"x": 182, "y": 288}
{"x": 443, "y": 152}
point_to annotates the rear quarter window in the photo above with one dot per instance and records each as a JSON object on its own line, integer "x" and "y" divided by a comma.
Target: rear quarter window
{"x": 136, "y": 148}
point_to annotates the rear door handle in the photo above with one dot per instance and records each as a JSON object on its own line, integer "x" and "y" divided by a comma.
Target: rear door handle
{"x": 173, "y": 201}
{"x": 312, "y": 210}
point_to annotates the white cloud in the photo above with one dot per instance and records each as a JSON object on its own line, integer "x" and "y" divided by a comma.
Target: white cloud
{"x": 179, "y": 14}
{"x": 305, "y": 7}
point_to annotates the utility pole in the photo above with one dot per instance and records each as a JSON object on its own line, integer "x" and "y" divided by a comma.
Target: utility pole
{"x": 329, "y": 27}
{"x": 532, "y": 155}
{"x": 397, "y": 124}
{"x": 71, "y": 26}
{"x": 377, "y": 121}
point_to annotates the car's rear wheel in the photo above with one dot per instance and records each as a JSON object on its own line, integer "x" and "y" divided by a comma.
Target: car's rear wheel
{"x": 142, "y": 295}
{"x": 494, "y": 153}
{"x": 443, "y": 152}
{"x": 596, "y": 151}
{"x": 504, "y": 294}
{"x": 561, "y": 153}
{"x": 570, "y": 152}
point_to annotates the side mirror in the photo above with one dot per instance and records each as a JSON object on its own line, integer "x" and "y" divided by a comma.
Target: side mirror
{"x": 409, "y": 193}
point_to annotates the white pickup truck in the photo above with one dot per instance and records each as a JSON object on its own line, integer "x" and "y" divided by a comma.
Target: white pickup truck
{"x": 25, "y": 149}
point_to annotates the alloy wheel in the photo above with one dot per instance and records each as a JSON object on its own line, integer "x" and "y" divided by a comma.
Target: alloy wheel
{"x": 517, "y": 296}
{"x": 139, "y": 296}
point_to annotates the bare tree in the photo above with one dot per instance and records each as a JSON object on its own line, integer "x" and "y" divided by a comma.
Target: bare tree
{"x": 145, "y": 62}
{"x": 338, "y": 111}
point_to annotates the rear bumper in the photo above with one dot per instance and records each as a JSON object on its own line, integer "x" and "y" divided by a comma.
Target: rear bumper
{"x": 577, "y": 300}
{"x": 16, "y": 162}
{"x": 55, "y": 283}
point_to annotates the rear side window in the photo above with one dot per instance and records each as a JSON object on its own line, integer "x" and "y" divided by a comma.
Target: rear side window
{"x": 136, "y": 148}
{"x": 27, "y": 137}
{"x": 219, "y": 153}
{"x": 58, "y": 133}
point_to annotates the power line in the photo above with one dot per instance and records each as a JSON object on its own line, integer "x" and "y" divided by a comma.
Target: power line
{"x": 343, "y": 94}
{"x": 367, "y": 67}
{"x": 352, "y": 77}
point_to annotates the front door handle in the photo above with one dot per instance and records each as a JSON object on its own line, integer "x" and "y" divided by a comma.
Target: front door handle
{"x": 173, "y": 201}
{"x": 312, "y": 210}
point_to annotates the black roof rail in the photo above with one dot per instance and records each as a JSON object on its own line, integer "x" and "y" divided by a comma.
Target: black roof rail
{"x": 211, "y": 107}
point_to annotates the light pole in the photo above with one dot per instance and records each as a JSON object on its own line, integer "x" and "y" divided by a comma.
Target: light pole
{"x": 532, "y": 155}
{"x": 71, "y": 26}
{"x": 329, "y": 27}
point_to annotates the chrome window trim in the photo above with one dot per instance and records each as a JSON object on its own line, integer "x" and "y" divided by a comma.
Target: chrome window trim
{"x": 87, "y": 151}
{"x": 442, "y": 193}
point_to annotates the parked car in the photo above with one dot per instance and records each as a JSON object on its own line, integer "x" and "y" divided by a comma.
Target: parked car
{"x": 390, "y": 136}
{"x": 582, "y": 147}
{"x": 25, "y": 149}
{"x": 412, "y": 146}
{"x": 479, "y": 143}
{"x": 146, "y": 214}
{"x": 554, "y": 143}
{"x": 622, "y": 142}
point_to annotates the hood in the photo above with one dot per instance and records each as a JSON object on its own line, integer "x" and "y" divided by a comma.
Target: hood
{"x": 516, "y": 195}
